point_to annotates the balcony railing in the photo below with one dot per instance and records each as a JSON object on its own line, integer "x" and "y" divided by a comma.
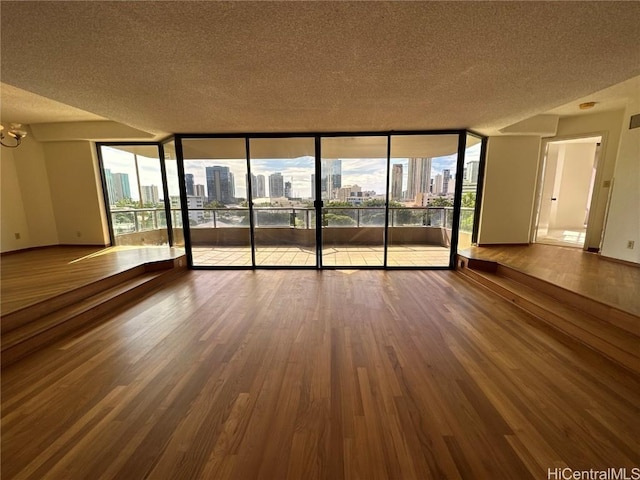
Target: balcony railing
{"x": 126, "y": 221}
{"x": 134, "y": 220}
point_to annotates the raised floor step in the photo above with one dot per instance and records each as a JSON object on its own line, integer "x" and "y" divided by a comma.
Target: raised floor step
{"x": 98, "y": 301}
{"x": 614, "y": 336}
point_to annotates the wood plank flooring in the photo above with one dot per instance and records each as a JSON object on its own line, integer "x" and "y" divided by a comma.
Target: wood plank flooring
{"x": 328, "y": 375}
{"x": 588, "y": 274}
{"x": 35, "y": 275}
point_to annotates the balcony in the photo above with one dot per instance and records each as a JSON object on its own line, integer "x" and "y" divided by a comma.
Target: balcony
{"x": 286, "y": 236}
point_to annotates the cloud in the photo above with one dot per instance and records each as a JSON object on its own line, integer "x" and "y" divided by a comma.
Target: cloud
{"x": 368, "y": 173}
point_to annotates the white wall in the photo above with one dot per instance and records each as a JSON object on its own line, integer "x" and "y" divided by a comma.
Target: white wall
{"x": 509, "y": 189}
{"x": 26, "y": 198}
{"x": 623, "y": 220}
{"x": 75, "y": 193}
{"x": 50, "y": 192}
{"x": 12, "y": 217}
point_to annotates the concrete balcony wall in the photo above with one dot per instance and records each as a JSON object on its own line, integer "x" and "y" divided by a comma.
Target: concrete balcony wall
{"x": 147, "y": 237}
{"x": 233, "y": 236}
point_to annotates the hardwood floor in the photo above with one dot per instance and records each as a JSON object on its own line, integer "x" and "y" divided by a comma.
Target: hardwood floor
{"x": 304, "y": 374}
{"x": 35, "y": 275}
{"x": 588, "y": 274}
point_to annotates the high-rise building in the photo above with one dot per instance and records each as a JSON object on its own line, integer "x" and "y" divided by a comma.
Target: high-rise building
{"x": 257, "y": 186}
{"x": 446, "y": 176}
{"x": 232, "y": 187}
{"x": 188, "y": 180}
{"x": 198, "y": 190}
{"x": 331, "y": 179}
{"x": 451, "y": 186}
{"x": 121, "y": 186}
{"x": 276, "y": 185}
{"x": 287, "y": 190}
{"x": 418, "y": 177}
{"x": 220, "y": 185}
{"x": 254, "y": 186}
{"x": 396, "y": 181}
{"x": 437, "y": 185}
{"x": 195, "y": 204}
{"x": 149, "y": 194}
{"x": 343, "y": 193}
{"x": 471, "y": 171}
{"x": 261, "y": 190}
{"x": 110, "y": 190}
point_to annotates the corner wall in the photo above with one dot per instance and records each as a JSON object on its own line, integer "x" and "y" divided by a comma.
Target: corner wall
{"x": 509, "y": 190}
{"x": 76, "y": 198}
{"x": 26, "y": 198}
{"x": 13, "y": 220}
{"x": 51, "y": 192}
{"x": 623, "y": 219}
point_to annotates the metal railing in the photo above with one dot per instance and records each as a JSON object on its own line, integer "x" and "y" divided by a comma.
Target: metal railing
{"x": 126, "y": 221}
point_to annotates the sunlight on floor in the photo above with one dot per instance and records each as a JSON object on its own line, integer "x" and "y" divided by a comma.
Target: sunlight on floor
{"x": 406, "y": 255}
{"x": 567, "y": 238}
{"x": 160, "y": 251}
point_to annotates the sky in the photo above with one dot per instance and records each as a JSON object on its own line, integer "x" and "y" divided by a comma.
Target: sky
{"x": 368, "y": 173}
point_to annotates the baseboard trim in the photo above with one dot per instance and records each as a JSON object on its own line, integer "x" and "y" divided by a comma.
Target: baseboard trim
{"x": 618, "y": 260}
{"x": 40, "y": 247}
{"x": 503, "y": 244}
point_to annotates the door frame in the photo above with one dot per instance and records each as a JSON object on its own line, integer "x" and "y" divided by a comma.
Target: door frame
{"x": 591, "y": 230}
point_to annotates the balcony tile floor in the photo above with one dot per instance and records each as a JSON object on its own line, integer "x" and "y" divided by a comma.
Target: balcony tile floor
{"x": 343, "y": 256}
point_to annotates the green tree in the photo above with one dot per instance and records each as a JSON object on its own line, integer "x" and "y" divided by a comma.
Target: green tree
{"x": 337, "y": 203}
{"x": 469, "y": 200}
{"x": 441, "y": 202}
{"x": 127, "y": 203}
{"x": 215, "y": 204}
{"x": 331, "y": 219}
{"x": 374, "y": 202}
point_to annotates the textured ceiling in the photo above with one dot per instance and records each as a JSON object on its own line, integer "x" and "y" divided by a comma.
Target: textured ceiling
{"x": 26, "y": 107}
{"x": 317, "y": 66}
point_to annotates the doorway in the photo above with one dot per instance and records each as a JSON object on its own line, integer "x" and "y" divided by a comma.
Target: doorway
{"x": 566, "y": 191}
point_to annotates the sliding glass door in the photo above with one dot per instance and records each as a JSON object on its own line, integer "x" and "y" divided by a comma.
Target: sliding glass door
{"x": 353, "y": 187}
{"x": 215, "y": 188}
{"x": 329, "y": 201}
{"x": 421, "y": 190}
{"x": 282, "y": 170}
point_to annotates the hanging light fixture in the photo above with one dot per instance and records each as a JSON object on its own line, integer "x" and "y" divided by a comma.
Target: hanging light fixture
{"x": 14, "y": 131}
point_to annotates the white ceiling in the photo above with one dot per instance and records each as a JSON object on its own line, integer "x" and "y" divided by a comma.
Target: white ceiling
{"x": 310, "y": 66}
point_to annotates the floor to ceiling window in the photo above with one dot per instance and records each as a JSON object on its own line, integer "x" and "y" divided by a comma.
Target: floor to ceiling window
{"x": 471, "y": 184}
{"x": 133, "y": 186}
{"x": 172, "y": 188}
{"x": 353, "y": 185}
{"x": 282, "y": 172}
{"x": 215, "y": 178}
{"x": 421, "y": 196}
{"x": 397, "y": 200}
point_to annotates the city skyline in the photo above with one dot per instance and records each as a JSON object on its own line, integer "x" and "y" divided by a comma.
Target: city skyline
{"x": 368, "y": 173}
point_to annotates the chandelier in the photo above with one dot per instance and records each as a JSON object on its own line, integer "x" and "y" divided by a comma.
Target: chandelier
{"x": 15, "y": 132}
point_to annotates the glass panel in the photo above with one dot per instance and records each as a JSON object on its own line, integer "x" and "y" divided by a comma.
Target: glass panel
{"x": 353, "y": 189}
{"x": 282, "y": 172}
{"x": 215, "y": 179}
{"x": 173, "y": 185}
{"x": 134, "y": 192}
{"x": 469, "y": 191}
{"x": 421, "y": 191}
